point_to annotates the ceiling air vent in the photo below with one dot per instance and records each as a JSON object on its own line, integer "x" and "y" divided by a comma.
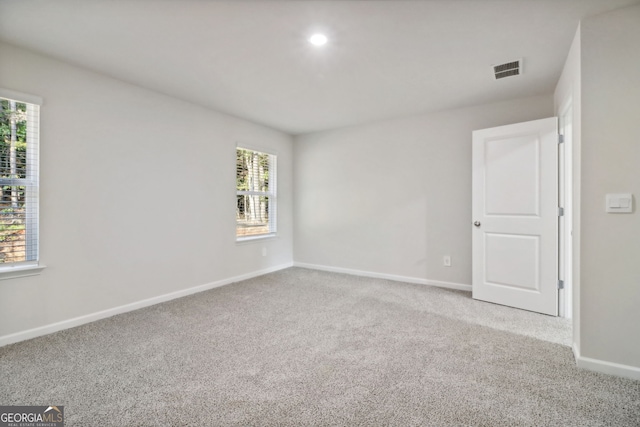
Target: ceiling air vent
{"x": 513, "y": 68}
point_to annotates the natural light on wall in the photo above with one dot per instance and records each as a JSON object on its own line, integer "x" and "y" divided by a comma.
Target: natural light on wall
{"x": 255, "y": 194}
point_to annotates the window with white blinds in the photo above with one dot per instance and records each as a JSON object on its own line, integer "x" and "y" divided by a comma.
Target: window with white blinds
{"x": 19, "y": 135}
{"x": 255, "y": 194}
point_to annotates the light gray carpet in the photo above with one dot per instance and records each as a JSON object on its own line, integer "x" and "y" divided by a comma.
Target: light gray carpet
{"x": 302, "y": 347}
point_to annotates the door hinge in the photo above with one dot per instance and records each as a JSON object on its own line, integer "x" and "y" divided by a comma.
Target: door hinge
{"x": 560, "y": 138}
{"x": 560, "y": 211}
{"x": 560, "y": 284}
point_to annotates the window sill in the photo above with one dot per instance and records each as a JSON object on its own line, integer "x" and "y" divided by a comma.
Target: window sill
{"x": 20, "y": 271}
{"x": 249, "y": 239}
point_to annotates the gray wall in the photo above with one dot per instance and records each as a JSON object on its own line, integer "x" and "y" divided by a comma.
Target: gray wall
{"x": 610, "y": 163}
{"x": 137, "y": 195}
{"x": 394, "y": 197}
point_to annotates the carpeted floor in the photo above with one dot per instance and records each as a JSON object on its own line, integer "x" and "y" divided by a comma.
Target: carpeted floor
{"x": 302, "y": 347}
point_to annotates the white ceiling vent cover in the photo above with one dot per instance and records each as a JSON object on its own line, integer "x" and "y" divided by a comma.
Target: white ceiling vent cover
{"x": 513, "y": 68}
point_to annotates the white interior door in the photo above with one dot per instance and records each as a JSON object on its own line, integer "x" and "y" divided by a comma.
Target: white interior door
{"x": 515, "y": 214}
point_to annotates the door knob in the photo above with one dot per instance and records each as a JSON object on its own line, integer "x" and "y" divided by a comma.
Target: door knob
{"x": 477, "y": 223}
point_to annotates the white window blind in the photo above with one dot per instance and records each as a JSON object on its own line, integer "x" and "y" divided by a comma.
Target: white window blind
{"x": 19, "y": 139}
{"x": 255, "y": 194}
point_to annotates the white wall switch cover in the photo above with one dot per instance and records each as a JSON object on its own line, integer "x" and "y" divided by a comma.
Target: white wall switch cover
{"x": 619, "y": 203}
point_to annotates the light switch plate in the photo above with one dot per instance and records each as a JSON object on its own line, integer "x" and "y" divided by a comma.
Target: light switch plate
{"x": 619, "y": 203}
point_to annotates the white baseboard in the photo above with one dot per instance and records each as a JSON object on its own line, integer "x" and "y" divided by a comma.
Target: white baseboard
{"x": 420, "y": 281}
{"x": 88, "y": 318}
{"x": 610, "y": 368}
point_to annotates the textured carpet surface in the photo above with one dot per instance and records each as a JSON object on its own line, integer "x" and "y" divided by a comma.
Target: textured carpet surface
{"x": 302, "y": 347}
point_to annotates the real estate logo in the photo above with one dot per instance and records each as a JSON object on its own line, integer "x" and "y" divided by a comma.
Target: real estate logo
{"x": 31, "y": 416}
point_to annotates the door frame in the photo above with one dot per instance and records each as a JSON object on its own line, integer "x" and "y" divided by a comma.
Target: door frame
{"x": 565, "y": 200}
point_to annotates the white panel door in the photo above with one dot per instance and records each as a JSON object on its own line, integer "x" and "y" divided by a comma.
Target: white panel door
{"x": 515, "y": 214}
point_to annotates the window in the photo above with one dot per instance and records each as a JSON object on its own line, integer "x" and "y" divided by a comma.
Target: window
{"x": 19, "y": 134}
{"x": 255, "y": 194}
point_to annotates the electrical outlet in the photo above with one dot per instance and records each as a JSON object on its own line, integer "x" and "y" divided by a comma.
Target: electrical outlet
{"x": 264, "y": 251}
{"x": 447, "y": 261}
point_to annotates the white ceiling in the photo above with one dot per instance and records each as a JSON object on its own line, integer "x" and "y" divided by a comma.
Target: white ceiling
{"x": 251, "y": 59}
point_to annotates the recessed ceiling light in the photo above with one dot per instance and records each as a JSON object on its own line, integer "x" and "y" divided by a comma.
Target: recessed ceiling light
{"x": 318, "y": 39}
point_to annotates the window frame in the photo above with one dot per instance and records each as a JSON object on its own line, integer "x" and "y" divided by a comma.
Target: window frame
{"x": 32, "y": 266}
{"x": 271, "y": 194}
